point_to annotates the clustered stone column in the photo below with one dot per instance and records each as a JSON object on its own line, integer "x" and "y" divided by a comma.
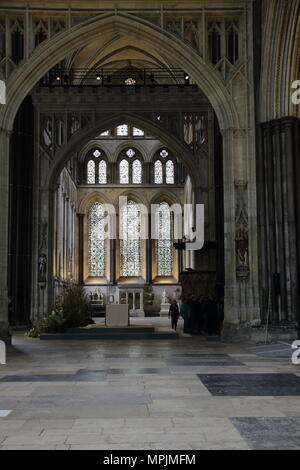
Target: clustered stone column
{"x": 4, "y": 186}
{"x": 241, "y": 271}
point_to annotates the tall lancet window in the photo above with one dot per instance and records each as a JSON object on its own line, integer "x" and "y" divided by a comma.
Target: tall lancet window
{"x": 130, "y": 243}
{"x": 96, "y": 167}
{"x": 96, "y": 240}
{"x": 158, "y": 172}
{"x": 91, "y": 173}
{"x": 136, "y": 172}
{"x": 124, "y": 171}
{"x": 102, "y": 172}
{"x": 164, "y": 245}
{"x": 170, "y": 172}
{"x": 164, "y": 167}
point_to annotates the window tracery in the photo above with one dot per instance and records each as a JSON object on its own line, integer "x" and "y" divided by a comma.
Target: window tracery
{"x": 96, "y": 241}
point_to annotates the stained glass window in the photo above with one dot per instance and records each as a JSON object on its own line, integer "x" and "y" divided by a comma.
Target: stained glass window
{"x": 124, "y": 171}
{"x": 137, "y": 132}
{"x": 102, "y": 172}
{"x": 136, "y": 172}
{"x": 164, "y": 245}
{"x": 158, "y": 172}
{"x": 130, "y": 153}
{"x": 96, "y": 153}
{"x": 130, "y": 244}
{"x": 91, "y": 173}
{"x": 164, "y": 153}
{"x": 170, "y": 172}
{"x": 96, "y": 241}
{"x": 122, "y": 130}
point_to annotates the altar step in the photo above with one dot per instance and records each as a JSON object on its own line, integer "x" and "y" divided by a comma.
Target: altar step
{"x": 131, "y": 332}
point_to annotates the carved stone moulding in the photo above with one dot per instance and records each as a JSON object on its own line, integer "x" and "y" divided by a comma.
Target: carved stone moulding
{"x": 242, "y": 273}
{"x": 241, "y": 184}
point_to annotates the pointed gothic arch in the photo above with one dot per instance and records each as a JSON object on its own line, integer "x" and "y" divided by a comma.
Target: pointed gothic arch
{"x": 237, "y": 127}
{"x": 52, "y": 51}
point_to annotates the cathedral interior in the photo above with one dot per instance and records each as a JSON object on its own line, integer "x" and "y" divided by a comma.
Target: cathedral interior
{"x": 87, "y": 121}
{"x": 195, "y": 113}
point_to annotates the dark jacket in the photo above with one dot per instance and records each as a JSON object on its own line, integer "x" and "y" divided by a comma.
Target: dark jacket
{"x": 174, "y": 310}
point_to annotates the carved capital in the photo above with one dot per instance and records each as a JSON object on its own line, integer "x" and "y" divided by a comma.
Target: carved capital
{"x": 6, "y": 132}
{"x": 241, "y": 184}
{"x": 239, "y": 133}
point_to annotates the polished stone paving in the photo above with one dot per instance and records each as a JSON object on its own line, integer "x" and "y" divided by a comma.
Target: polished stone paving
{"x": 190, "y": 393}
{"x": 252, "y": 384}
{"x": 270, "y": 433}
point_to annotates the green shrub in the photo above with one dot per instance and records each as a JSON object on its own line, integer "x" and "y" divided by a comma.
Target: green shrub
{"x": 53, "y": 323}
{"x": 74, "y": 311}
{"x": 76, "y": 306}
{"x": 34, "y": 332}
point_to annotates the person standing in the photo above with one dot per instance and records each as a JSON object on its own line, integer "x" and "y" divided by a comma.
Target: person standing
{"x": 194, "y": 314}
{"x": 200, "y": 323}
{"x": 212, "y": 325}
{"x": 174, "y": 313}
{"x": 185, "y": 313}
{"x": 220, "y": 314}
{"x": 11, "y": 316}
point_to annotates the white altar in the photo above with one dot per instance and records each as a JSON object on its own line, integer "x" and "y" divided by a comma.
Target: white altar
{"x": 117, "y": 315}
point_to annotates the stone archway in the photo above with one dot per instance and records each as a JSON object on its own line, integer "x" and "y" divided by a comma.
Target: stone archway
{"x": 79, "y": 140}
{"x": 236, "y": 126}
{"x": 48, "y": 54}
{"x": 281, "y": 59}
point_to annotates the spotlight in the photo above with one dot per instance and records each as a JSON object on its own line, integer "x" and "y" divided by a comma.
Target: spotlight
{"x": 98, "y": 76}
{"x": 187, "y": 79}
{"x": 158, "y": 117}
{"x": 58, "y": 78}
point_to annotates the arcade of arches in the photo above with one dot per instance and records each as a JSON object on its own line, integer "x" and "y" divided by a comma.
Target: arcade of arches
{"x": 164, "y": 106}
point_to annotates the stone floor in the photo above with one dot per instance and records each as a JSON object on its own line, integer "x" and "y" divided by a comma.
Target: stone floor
{"x": 190, "y": 393}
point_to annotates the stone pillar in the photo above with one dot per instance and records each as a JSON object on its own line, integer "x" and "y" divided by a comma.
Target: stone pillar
{"x": 192, "y": 259}
{"x": 4, "y": 183}
{"x": 112, "y": 261}
{"x": 67, "y": 239}
{"x": 240, "y": 233}
{"x": 149, "y": 253}
{"x": 142, "y": 300}
{"x": 20, "y": 231}
{"x": 278, "y": 174}
{"x": 65, "y": 236}
{"x": 80, "y": 247}
{"x": 73, "y": 242}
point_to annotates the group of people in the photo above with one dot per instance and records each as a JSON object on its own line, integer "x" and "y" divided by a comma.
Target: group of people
{"x": 200, "y": 315}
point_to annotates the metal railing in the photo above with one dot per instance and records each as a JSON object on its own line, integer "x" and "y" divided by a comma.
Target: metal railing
{"x": 115, "y": 77}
